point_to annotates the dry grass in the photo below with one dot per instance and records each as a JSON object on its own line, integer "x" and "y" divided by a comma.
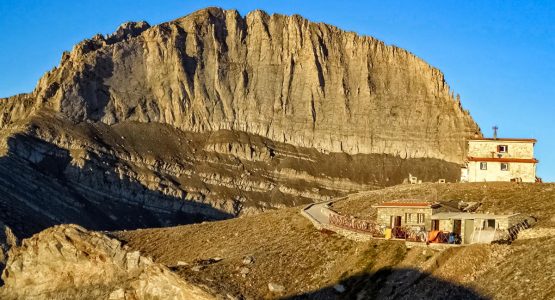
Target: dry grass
{"x": 286, "y": 248}
{"x": 289, "y": 251}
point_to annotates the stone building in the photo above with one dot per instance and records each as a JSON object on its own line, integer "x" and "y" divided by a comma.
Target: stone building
{"x": 397, "y": 214}
{"x": 474, "y": 227}
{"x": 444, "y": 219}
{"x": 500, "y": 159}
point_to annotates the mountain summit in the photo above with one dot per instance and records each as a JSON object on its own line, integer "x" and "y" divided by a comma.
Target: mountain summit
{"x": 216, "y": 115}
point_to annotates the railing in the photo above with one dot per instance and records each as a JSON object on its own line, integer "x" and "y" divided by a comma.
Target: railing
{"x": 410, "y": 233}
{"x": 352, "y": 223}
{"x": 509, "y": 235}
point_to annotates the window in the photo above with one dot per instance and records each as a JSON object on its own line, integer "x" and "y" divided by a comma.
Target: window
{"x": 504, "y": 167}
{"x": 420, "y": 218}
{"x": 483, "y": 166}
{"x": 502, "y": 148}
{"x": 408, "y": 218}
{"x": 489, "y": 223}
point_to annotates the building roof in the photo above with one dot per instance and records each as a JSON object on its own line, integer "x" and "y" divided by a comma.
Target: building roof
{"x": 503, "y": 140}
{"x": 503, "y": 159}
{"x": 408, "y": 204}
{"x": 467, "y": 216}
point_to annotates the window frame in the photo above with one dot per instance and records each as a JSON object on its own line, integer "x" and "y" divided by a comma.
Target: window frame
{"x": 420, "y": 218}
{"x": 483, "y": 166}
{"x": 487, "y": 224}
{"x": 506, "y": 166}
{"x": 505, "y": 148}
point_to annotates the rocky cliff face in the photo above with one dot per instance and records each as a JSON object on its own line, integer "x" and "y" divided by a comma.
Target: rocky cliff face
{"x": 216, "y": 115}
{"x": 280, "y": 77}
{"x": 69, "y": 262}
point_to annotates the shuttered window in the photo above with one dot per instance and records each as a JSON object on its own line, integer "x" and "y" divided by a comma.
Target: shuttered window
{"x": 420, "y": 218}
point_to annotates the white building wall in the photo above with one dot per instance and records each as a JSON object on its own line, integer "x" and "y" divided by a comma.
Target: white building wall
{"x": 525, "y": 171}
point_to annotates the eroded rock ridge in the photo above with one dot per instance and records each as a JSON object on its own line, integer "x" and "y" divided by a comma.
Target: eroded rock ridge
{"x": 216, "y": 115}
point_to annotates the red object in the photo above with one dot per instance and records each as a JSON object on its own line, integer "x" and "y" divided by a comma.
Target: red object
{"x": 504, "y": 139}
{"x": 495, "y": 159}
{"x": 433, "y": 236}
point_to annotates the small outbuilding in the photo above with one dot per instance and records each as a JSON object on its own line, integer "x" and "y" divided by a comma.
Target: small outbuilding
{"x": 475, "y": 227}
{"x": 444, "y": 222}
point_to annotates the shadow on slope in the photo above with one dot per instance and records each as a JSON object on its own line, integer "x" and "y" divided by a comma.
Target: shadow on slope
{"x": 389, "y": 283}
{"x": 41, "y": 186}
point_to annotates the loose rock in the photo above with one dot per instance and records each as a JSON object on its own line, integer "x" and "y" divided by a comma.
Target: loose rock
{"x": 276, "y": 288}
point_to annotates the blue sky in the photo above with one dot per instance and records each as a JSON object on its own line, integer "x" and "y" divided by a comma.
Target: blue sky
{"x": 498, "y": 55}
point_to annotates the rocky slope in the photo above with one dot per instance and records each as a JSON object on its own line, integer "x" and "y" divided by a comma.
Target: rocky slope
{"x": 280, "y": 255}
{"x": 216, "y": 115}
{"x": 68, "y": 262}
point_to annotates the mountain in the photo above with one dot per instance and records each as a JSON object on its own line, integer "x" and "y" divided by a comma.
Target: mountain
{"x": 216, "y": 115}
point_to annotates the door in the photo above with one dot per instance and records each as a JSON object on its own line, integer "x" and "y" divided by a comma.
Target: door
{"x": 457, "y": 227}
{"x": 468, "y": 231}
{"x": 395, "y": 221}
{"x": 435, "y": 225}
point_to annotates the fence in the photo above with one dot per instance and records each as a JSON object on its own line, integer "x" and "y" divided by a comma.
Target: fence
{"x": 352, "y": 223}
{"x": 409, "y": 233}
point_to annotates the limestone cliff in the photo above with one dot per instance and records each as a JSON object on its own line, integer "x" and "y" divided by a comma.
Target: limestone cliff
{"x": 216, "y": 115}
{"x": 68, "y": 262}
{"x": 285, "y": 78}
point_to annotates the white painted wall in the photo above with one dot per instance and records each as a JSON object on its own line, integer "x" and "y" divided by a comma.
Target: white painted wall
{"x": 525, "y": 171}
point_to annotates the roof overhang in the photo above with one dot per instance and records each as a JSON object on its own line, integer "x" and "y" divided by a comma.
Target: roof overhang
{"x": 503, "y": 159}
{"x": 468, "y": 216}
{"x": 408, "y": 205}
{"x": 513, "y": 140}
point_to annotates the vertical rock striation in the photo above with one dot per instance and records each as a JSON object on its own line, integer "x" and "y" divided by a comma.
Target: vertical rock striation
{"x": 281, "y": 77}
{"x": 216, "y": 115}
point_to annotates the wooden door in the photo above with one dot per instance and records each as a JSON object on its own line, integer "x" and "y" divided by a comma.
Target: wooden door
{"x": 457, "y": 227}
{"x": 468, "y": 231}
{"x": 395, "y": 221}
{"x": 435, "y": 225}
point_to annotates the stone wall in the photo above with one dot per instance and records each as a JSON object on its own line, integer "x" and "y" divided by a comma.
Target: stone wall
{"x": 385, "y": 214}
{"x": 484, "y": 148}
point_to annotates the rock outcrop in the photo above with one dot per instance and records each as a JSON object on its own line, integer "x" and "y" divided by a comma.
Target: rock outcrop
{"x": 215, "y": 115}
{"x": 70, "y": 262}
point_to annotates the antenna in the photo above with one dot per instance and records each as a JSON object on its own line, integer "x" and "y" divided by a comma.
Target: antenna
{"x": 495, "y": 128}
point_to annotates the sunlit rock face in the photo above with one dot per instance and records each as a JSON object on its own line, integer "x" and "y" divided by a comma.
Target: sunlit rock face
{"x": 68, "y": 261}
{"x": 216, "y": 115}
{"x": 281, "y": 77}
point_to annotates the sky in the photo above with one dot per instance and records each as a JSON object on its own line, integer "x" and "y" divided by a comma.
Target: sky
{"x": 498, "y": 55}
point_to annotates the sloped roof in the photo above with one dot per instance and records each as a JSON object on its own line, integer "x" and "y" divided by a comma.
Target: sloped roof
{"x": 505, "y": 139}
{"x": 408, "y": 204}
{"x": 503, "y": 159}
{"x": 467, "y": 216}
